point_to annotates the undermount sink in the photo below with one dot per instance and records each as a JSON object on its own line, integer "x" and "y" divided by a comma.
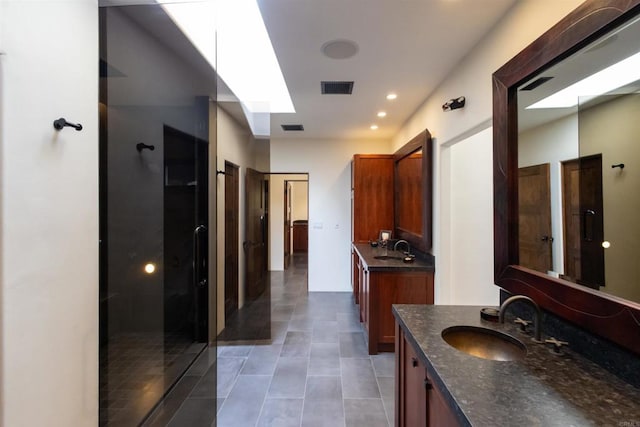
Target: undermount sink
{"x": 385, "y": 257}
{"x": 484, "y": 343}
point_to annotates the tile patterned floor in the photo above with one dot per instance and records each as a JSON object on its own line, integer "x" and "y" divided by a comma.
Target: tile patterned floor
{"x": 315, "y": 372}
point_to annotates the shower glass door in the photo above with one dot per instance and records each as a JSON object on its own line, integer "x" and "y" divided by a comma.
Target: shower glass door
{"x": 155, "y": 110}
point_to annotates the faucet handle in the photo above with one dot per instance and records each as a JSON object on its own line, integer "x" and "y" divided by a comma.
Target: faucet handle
{"x": 523, "y": 323}
{"x": 557, "y": 344}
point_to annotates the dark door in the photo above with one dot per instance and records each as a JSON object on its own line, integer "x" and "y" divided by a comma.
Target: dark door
{"x": 255, "y": 244}
{"x": 571, "y": 218}
{"x": 287, "y": 224}
{"x": 231, "y": 227}
{"x": 534, "y": 204}
{"x": 591, "y": 222}
{"x": 185, "y": 234}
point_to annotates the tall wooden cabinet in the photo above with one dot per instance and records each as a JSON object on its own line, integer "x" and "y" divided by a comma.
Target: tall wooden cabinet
{"x": 372, "y": 195}
{"x": 371, "y": 202}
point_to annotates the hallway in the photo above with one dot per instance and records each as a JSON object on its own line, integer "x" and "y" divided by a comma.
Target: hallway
{"x": 315, "y": 372}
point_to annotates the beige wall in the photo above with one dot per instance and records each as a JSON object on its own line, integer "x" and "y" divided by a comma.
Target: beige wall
{"x": 612, "y": 129}
{"x": 299, "y": 200}
{"x": 236, "y": 145}
{"x": 49, "y": 214}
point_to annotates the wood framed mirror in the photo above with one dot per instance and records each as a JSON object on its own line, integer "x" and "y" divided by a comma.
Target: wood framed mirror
{"x": 413, "y": 191}
{"x": 608, "y": 316}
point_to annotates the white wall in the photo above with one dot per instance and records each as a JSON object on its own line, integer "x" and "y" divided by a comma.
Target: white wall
{"x": 460, "y": 278}
{"x": 49, "y": 214}
{"x": 235, "y": 145}
{"x": 299, "y": 200}
{"x": 329, "y": 168}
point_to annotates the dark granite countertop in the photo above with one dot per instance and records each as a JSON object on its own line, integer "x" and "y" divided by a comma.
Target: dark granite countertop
{"x": 543, "y": 389}
{"x": 368, "y": 254}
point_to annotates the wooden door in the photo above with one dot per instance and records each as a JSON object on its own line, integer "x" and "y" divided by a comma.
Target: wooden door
{"x": 534, "y": 204}
{"x": 591, "y": 222}
{"x": 231, "y": 237}
{"x": 287, "y": 224}
{"x": 255, "y": 245}
{"x": 571, "y": 218}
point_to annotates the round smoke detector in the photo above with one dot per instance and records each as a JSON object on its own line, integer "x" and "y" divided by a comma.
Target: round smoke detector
{"x": 340, "y": 49}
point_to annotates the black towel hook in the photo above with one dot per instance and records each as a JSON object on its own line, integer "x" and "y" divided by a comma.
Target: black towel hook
{"x": 61, "y": 123}
{"x": 141, "y": 146}
{"x": 619, "y": 165}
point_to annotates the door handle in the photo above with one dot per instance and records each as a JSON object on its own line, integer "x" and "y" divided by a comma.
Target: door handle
{"x": 547, "y": 239}
{"x": 199, "y": 261}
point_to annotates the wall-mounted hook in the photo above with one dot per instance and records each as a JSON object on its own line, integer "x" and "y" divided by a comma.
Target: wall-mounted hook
{"x": 61, "y": 123}
{"x": 141, "y": 146}
{"x": 619, "y": 165}
{"x": 220, "y": 173}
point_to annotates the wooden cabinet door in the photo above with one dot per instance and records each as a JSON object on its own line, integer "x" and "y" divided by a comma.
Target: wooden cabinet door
{"x": 411, "y": 394}
{"x": 372, "y": 182}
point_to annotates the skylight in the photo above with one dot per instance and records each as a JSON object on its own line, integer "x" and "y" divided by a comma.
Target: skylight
{"x": 613, "y": 77}
{"x": 244, "y": 57}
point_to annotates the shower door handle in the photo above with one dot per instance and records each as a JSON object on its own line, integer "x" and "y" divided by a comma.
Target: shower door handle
{"x": 199, "y": 260}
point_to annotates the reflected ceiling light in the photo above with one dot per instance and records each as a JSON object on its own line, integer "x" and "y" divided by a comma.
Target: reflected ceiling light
{"x": 374, "y": 127}
{"x": 382, "y": 114}
{"x": 149, "y": 268}
{"x": 613, "y": 77}
{"x": 606, "y": 244}
{"x": 391, "y": 96}
{"x": 232, "y": 37}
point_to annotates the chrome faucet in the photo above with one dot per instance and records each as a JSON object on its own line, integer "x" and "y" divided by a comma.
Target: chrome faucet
{"x": 538, "y": 313}
{"x": 395, "y": 247}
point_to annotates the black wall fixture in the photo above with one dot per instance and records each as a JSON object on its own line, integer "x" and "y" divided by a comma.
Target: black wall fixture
{"x": 141, "y": 146}
{"x": 61, "y": 123}
{"x": 454, "y": 103}
{"x": 619, "y": 165}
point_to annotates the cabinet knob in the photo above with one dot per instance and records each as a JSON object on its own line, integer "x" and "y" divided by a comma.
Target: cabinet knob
{"x": 427, "y": 384}
{"x": 414, "y": 362}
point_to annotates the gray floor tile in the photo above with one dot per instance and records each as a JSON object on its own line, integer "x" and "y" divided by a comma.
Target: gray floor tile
{"x": 323, "y": 388}
{"x": 289, "y": 378}
{"x": 325, "y": 335}
{"x": 296, "y": 344}
{"x": 387, "y": 387}
{"x": 228, "y": 369}
{"x": 300, "y": 323}
{"x": 278, "y": 331}
{"x": 234, "y": 350}
{"x": 262, "y": 360}
{"x": 195, "y": 412}
{"x": 365, "y": 412}
{"x": 281, "y": 413}
{"x": 358, "y": 379}
{"x": 325, "y": 351}
{"x": 352, "y": 344}
{"x": 324, "y": 366}
{"x": 323, "y": 413}
{"x": 349, "y": 322}
{"x": 384, "y": 364}
{"x": 243, "y": 405}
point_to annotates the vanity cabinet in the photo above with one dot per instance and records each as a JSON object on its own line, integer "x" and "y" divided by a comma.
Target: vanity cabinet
{"x": 419, "y": 402}
{"x": 382, "y": 283}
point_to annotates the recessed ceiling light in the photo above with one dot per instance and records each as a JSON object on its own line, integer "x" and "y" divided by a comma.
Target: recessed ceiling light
{"x": 391, "y": 96}
{"x": 382, "y": 114}
{"x": 374, "y": 127}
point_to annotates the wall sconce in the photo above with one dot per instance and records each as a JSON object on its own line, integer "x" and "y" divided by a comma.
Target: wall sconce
{"x": 454, "y": 103}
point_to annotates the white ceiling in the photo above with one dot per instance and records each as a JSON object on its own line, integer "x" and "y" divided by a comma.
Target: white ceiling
{"x": 405, "y": 46}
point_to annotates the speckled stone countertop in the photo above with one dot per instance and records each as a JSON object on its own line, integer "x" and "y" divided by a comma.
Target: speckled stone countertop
{"x": 543, "y": 389}
{"x": 368, "y": 254}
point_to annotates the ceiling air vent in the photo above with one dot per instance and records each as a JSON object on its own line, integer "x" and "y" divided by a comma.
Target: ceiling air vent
{"x": 287, "y": 128}
{"x": 336, "y": 88}
{"x": 534, "y": 84}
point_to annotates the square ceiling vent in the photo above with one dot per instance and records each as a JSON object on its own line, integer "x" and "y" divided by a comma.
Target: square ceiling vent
{"x": 288, "y": 128}
{"x": 336, "y": 88}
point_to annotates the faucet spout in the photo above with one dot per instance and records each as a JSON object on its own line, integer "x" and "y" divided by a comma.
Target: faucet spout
{"x": 538, "y": 313}
{"x": 395, "y": 247}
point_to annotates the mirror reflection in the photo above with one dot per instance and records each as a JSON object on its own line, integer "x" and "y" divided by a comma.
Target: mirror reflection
{"x": 410, "y": 193}
{"x": 579, "y": 173}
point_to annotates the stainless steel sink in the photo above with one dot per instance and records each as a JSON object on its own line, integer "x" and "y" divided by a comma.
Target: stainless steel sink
{"x": 485, "y": 343}
{"x": 387, "y": 257}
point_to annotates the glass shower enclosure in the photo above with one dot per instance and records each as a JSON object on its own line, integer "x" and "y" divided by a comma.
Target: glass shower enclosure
{"x": 157, "y": 117}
